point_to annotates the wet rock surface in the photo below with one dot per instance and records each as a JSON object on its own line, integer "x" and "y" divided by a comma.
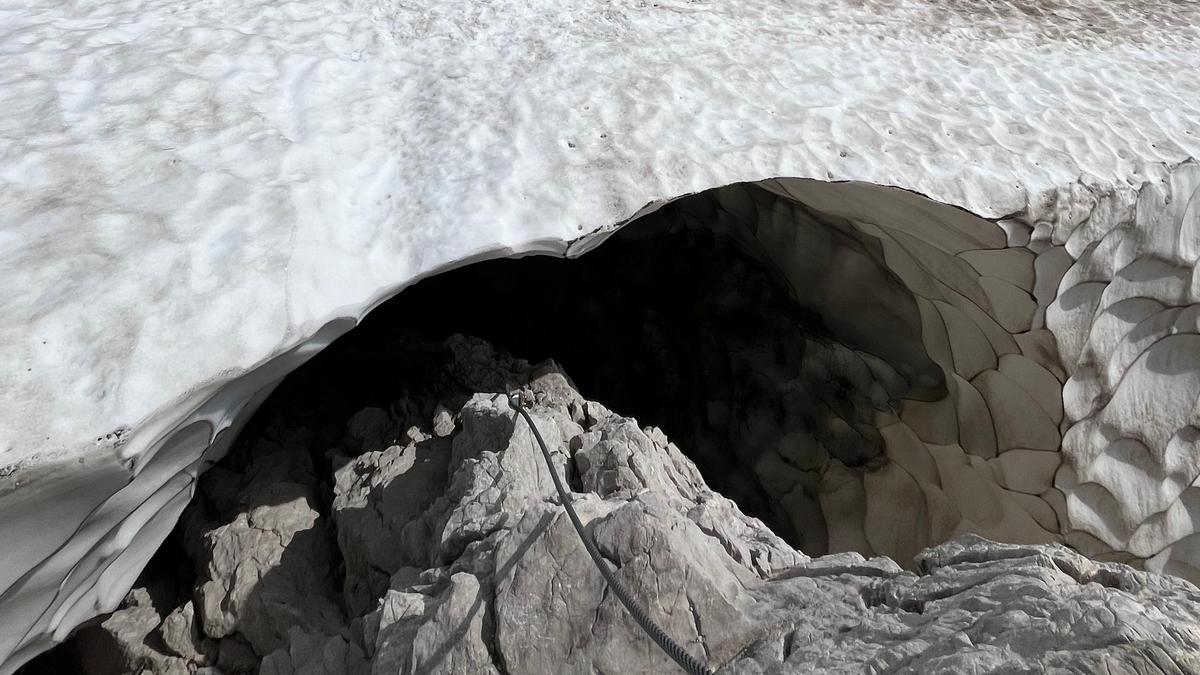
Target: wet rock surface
{"x": 425, "y": 536}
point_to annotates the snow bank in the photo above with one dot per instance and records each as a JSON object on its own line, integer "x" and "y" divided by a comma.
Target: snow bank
{"x": 197, "y": 196}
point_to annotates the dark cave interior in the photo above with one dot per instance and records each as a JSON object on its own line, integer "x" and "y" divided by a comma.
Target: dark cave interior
{"x": 682, "y": 327}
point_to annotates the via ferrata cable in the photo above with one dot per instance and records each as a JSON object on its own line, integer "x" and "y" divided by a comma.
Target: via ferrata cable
{"x": 685, "y": 660}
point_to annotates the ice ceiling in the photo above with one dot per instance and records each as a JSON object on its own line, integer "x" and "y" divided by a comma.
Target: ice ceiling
{"x": 197, "y": 198}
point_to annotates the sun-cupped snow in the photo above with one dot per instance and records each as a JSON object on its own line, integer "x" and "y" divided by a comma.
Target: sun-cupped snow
{"x": 196, "y": 196}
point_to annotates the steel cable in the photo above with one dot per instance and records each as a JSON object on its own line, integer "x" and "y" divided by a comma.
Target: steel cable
{"x": 685, "y": 660}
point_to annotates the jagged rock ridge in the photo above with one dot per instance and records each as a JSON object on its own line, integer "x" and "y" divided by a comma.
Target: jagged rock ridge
{"x": 433, "y": 543}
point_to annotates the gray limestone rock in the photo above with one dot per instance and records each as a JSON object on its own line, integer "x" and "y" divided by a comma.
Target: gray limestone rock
{"x": 439, "y": 633}
{"x": 236, "y": 656}
{"x": 315, "y": 654}
{"x": 443, "y": 422}
{"x": 458, "y": 558}
{"x": 979, "y": 606}
{"x": 126, "y": 640}
{"x": 181, "y": 635}
{"x": 269, "y": 568}
{"x": 379, "y": 498}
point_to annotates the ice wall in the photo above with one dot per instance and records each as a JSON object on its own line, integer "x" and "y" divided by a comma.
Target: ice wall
{"x": 1127, "y": 319}
{"x": 194, "y": 195}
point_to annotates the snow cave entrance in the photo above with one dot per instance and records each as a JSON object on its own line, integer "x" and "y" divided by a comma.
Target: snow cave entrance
{"x": 834, "y": 357}
{"x": 780, "y": 332}
{"x": 816, "y": 349}
{"x": 797, "y": 339}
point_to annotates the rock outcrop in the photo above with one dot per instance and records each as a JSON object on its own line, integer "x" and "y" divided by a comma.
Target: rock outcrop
{"x": 197, "y": 201}
{"x": 455, "y": 558}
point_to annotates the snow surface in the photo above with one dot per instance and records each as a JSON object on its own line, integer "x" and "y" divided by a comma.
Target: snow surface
{"x": 197, "y": 191}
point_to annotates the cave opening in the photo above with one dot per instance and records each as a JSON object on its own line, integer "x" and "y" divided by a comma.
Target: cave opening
{"x": 802, "y": 343}
{"x": 686, "y": 327}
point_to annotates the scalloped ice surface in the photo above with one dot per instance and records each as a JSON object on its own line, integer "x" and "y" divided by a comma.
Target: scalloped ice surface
{"x": 198, "y": 196}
